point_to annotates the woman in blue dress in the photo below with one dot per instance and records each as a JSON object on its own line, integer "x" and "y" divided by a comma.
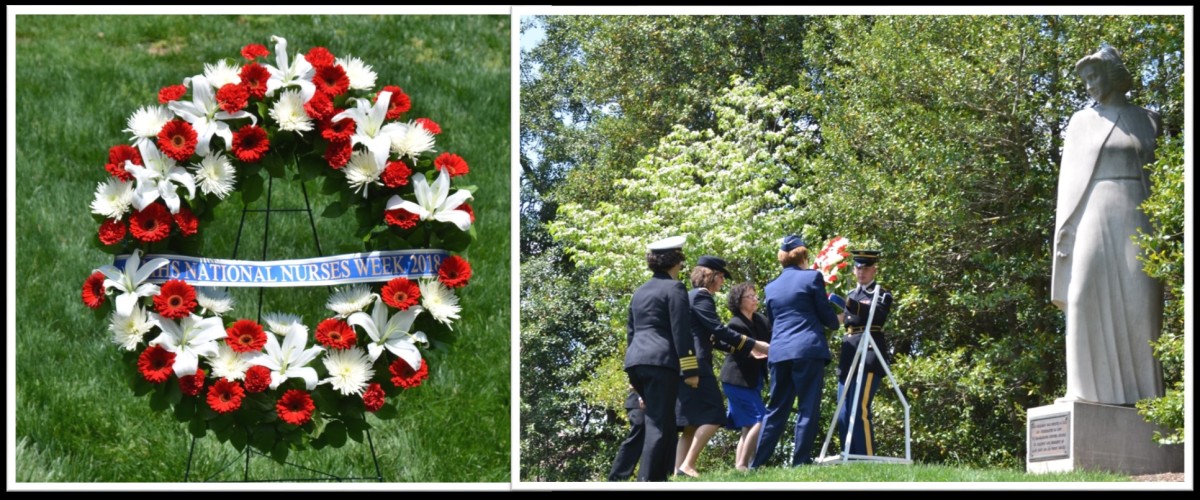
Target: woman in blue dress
{"x": 742, "y": 376}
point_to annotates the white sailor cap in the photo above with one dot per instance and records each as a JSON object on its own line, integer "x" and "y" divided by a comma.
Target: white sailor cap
{"x": 666, "y": 244}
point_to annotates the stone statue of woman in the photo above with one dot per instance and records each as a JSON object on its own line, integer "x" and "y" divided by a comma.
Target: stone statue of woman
{"x": 1113, "y": 309}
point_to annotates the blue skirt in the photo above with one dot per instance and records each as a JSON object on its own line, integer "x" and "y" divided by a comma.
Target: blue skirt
{"x": 746, "y": 406}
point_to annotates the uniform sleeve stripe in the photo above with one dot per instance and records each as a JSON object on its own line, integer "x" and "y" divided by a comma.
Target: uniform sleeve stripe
{"x": 742, "y": 343}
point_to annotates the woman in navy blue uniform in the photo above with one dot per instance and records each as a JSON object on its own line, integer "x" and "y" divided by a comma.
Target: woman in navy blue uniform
{"x": 742, "y": 376}
{"x": 701, "y": 410}
{"x": 660, "y": 353}
{"x": 799, "y": 310}
{"x": 858, "y": 309}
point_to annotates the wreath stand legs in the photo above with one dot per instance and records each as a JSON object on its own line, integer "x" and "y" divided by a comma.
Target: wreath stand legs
{"x": 249, "y": 450}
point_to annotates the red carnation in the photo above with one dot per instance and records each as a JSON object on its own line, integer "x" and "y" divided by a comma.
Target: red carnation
{"x": 93, "y": 290}
{"x": 340, "y": 130}
{"x": 295, "y": 407}
{"x": 453, "y": 163}
{"x": 319, "y": 107}
{"x": 336, "y": 334}
{"x": 250, "y": 143}
{"x": 191, "y": 384}
{"x": 233, "y": 97}
{"x": 401, "y": 293}
{"x": 176, "y": 299}
{"x": 396, "y": 174}
{"x": 117, "y": 156}
{"x": 253, "y": 51}
{"x": 404, "y": 376}
{"x": 338, "y": 153}
{"x": 171, "y": 93}
{"x": 429, "y": 125}
{"x": 254, "y": 77}
{"x": 401, "y": 218}
{"x": 112, "y": 232}
{"x": 156, "y": 364}
{"x": 225, "y": 396}
{"x": 454, "y": 272}
{"x": 319, "y": 57}
{"x": 331, "y": 80}
{"x": 373, "y": 397}
{"x": 245, "y": 336}
{"x": 187, "y": 221}
{"x": 399, "y": 104}
{"x": 466, "y": 207}
{"x": 177, "y": 139}
{"x": 258, "y": 379}
{"x": 152, "y": 224}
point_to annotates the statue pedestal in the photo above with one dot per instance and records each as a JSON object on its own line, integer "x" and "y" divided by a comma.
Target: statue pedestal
{"x": 1076, "y": 435}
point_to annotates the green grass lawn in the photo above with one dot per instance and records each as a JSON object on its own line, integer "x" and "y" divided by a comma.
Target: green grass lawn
{"x": 79, "y": 78}
{"x": 896, "y": 473}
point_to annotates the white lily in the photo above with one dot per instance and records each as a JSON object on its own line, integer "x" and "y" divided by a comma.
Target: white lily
{"x": 289, "y": 360}
{"x": 157, "y": 178}
{"x": 369, "y": 129}
{"x": 206, "y": 115}
{"x": 433, "y": 203}
{"x": 299, "y": 72}
{"x": 391, "y": 333}
{"x": 189, "y": 339}
{"x": 130, "y": 281}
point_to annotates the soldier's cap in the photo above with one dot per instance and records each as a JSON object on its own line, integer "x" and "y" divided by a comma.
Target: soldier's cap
{"x": 791, "y": 242}
{"x": 667, "y": 244}
{"x": 714, "y": 263}
{"x": 863, "y": 258}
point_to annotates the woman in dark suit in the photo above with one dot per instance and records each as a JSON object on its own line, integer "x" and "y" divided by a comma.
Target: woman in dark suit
{"x": 799, "y": 310}
{"x": 742, "y": 376}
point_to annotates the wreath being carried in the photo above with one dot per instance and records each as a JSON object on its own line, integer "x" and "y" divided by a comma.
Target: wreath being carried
{"x": 268, "y": 383}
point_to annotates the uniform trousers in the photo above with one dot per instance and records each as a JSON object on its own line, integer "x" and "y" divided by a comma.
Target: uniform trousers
{"x": 658, "y": 386}
{"x": 792, "y": 380}
{"x": 631, "y": 448}
{"x": 862, "y": 443}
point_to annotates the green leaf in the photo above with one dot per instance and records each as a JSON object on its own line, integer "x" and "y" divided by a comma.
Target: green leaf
{"x": 238, "y": 438}
{"x": 336, "y": 432}
{"x": 280, "y": 451}
{"x": 185, "y": 410}
{"x": 159, "y": 401}
{"x": 311, "y": 166}
{"x": 222, "y": 423}
{"x": 334, "y": 210}
{"x": 263, "y": 437}
{"x": 174, "y": 393}
{"x": 333, "y": 184}
{"x": 197, "y": 428}
{"x": 388, "y": 411}
{"x": 274, "y": 164}
{"x": 252, "y": 189}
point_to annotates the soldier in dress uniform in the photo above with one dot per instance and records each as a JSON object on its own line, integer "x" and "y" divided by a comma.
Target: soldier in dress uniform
{"x": 660, "y": 353}
{"x": 858, "y": 308}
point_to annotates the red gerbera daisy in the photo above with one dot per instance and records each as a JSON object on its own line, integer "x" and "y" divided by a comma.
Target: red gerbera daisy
{"x": 177, "y": 139}
{"x": 191, "y": 384}
{"x": 399, "y": 104}
{"x": 112, "y": 231}
{"x": 452, "y": 163}
{"x": 233, "y": 97}
{"x": 404, "y": 376}
{"x": 245, "y": 336}
{"x": 401, "y": 218}
{"x": 319, "y": 57}
{"x": 254, "y": 77}
{"x": 250, "y": 143}
{"x": 373, "y": 397}
{"x": 117, "y": 155}
{"x": 171, "y": 93}
{"x": 187, "y": 221}
{"x": 152, "y": 224}
{"x": 253, "y": 51}
{"x": 156, "y": 364}
{"x": 225, "y": 396}
{"x": 396, "y": 174}
{"x": 295, "y": 407}
{"x": 454, "y": 272}
{"x": 331, "y": 80}
{"x": 401, "y": 293}
{"x": 176, "y": 299}
{"x": 319, "y": 107}
{"x": 336, "y": 334}
{"x": 429, "y": 125}
{"x": 93, "y": 290}
{"x": 466, "y": 207}
{"x": 340, "y": 130}
{"x": 338, "y": 153}
{"x": 258, "y": 379}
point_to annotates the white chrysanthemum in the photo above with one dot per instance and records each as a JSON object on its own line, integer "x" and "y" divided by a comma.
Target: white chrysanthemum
{"x": 410, "y": 139}
{"x": 113, "y": 198}
{"x": 362, "y": 170}
{"x": 280, "y": 324}
{"x": 349, "y": 300}
{"x": 289, "y": 112}
{"x": 439, "y": 301}
{"x": 214, "y": 300}
{"x": 146, "y": 122}
{"x": 349, "y": 370}
{"x": 362, "y": 76}
{"x": 222, "y": 74}
{"x": 215, "y": 175}
{"x": 229, "y": 364}
{"x": 129, "y": 330}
